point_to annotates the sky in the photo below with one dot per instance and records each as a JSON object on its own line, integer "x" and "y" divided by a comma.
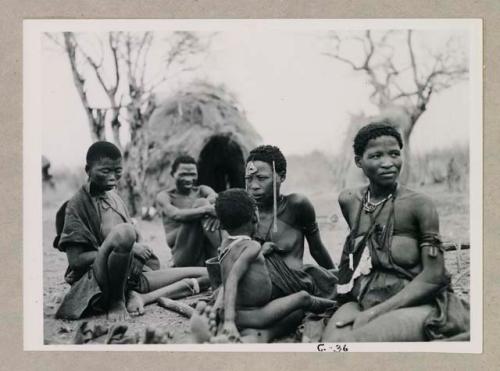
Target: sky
{"x": 293, "y": 95}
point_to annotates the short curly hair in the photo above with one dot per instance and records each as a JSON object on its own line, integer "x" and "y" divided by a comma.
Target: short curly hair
{"x": 373, "y": 131}
{"x": 182, "y": 159}
{"x": 234, "y": 208}
{"x": 100, "y": 150}
{"x": 268, "y": 154}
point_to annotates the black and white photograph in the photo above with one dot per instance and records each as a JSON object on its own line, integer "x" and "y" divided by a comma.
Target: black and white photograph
{"x": 253, "y": 185}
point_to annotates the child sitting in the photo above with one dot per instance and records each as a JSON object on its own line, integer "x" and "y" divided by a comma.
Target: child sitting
{"x": 248, "y": 298}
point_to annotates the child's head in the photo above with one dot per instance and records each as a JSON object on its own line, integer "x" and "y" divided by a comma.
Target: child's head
{"x": 373, "y": 131}
{"x": 235, "y": 210}
{"x": 104, "y": 165}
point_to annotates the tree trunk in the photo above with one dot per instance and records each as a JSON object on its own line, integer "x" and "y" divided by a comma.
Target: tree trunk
{"x": 405, "y": 173}
{"x": 115, "y": 128}
{"x": 407, "y": 168}
{"x": 94, "y": 117}
{"x": 136, "y": 160}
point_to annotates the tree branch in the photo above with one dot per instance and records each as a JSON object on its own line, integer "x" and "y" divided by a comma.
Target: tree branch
{"x": 344, "y": 60}
{"x": 112, "y": 39}
{"x": 412, "y": 59}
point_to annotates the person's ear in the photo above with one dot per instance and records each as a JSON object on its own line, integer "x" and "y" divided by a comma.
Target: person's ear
{"x": 87, "y": 169}
{"x": 281, "y": 177}
{"x": 357, "y": 160}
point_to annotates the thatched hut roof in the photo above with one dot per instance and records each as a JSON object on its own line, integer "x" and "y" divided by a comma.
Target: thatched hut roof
{"x": 203, "y": 121}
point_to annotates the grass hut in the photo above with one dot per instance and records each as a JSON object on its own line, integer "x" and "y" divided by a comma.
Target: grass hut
{"x": 203, "y": 121}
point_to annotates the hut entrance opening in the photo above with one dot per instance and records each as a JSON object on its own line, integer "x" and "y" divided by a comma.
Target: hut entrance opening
{"x": 221, "y": 164}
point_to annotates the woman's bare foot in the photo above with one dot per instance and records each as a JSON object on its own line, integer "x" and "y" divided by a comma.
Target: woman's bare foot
{"x": 117, "y": 311}
{"x": 135, "y": 304}
{"x": 203, "y": 323}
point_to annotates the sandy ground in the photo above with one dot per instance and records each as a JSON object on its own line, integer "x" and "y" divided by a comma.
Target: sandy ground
{"x": 452, "y": 206}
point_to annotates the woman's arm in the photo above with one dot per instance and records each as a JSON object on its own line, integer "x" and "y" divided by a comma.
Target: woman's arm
{"x": 307, "y": 221}
{"x": 318, "y": 251}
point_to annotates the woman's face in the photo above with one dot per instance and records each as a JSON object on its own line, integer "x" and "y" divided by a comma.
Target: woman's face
{"x": 105, "y": 173}
{"x": 381, "y": 161}
{"x": 259, "y": 182}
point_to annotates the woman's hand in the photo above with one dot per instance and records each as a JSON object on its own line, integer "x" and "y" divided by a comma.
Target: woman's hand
{"x": 363, "y": 318}
{"x": 358, "y": 319}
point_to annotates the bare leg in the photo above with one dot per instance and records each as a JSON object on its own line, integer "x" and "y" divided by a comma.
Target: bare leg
{"x": 191, "y": 244}
{"x": 277, "y": 330}
{"x": 169, "y": 283}
{"x": 161, "y": 278}
{"x": 405, "y": 324}
{"x": 111, "y": 268}
{"x": 278, "y": 309}
{"x": 212, "y": 242}
{"x": 179, "y": 289}
{"x": 204, "y": 325}
{"x": 188, "y": 249}
{"x": 212, "y": 238}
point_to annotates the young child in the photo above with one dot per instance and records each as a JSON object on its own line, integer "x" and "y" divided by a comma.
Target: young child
{"x": 249, "y": 301}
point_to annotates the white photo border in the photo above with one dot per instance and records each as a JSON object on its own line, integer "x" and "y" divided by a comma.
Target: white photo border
{"x": 32, "y": 184}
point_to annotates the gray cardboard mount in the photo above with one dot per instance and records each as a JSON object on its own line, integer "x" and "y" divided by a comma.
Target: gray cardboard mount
{"x": 13, "y": 12}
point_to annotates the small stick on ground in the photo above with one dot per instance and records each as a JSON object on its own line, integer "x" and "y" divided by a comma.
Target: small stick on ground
{"x": 176, "y": 306}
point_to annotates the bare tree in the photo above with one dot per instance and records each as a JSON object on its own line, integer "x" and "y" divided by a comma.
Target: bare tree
{"x": 400, "y": 74}
{"x": 178, "y": 56}
{"x": 127, "y": 69}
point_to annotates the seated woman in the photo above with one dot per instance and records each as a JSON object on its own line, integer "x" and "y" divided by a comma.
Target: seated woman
{"x": 110, "y": 269}
{"x": 392, "y": 278}
{"x": 286, "y": 222}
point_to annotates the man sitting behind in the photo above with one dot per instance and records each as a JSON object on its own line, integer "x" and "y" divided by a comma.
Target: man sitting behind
{"x": 188, "y": 214}
{"x": 248, "y": 296}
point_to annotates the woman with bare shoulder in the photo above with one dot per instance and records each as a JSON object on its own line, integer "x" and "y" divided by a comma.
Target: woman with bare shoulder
{"x": 392, "y": 281}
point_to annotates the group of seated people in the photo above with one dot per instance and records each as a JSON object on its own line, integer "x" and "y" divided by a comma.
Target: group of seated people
{"x": 390, "y": 284}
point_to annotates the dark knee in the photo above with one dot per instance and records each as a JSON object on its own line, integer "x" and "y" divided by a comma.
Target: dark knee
{"x": 123, "y": 237}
